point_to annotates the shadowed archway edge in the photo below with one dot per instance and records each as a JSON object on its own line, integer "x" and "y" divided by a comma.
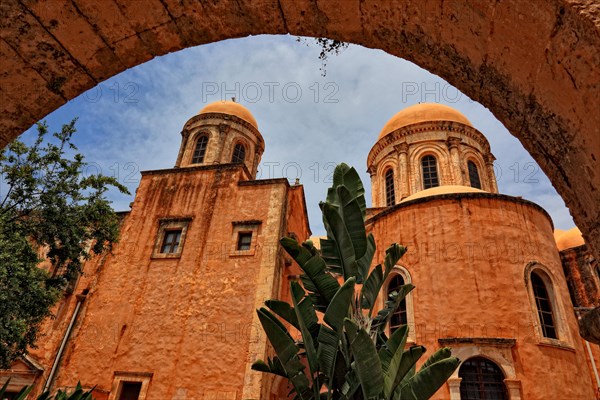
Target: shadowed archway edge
{"x": 536, "y": 68}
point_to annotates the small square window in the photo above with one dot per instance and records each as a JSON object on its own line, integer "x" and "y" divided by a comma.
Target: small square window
{"x": 130, "y": 390}
{"x": 244, "y": 241}
{"x": 245, "y": 238}
{"x": 171, "y": 240}
{"x": 171, "y": 237}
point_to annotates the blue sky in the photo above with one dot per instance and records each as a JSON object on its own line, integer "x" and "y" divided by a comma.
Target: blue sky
{"x": 310, "y": 122}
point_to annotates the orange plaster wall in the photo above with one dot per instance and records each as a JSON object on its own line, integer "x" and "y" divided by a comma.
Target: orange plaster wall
{"x": 467, "y": 258}
{"x": 187, "y": 320}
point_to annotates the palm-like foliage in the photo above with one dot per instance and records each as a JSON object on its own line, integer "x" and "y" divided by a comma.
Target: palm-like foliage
{"x": 348, "y": 355}
{"x": 77, "y": 394}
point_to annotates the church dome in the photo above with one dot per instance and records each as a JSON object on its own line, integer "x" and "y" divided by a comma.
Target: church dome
{"x": 423, "y": 112}
{"x": 230, "y": 108}
{"x": 568, "y": 239}
{"x": 447, "y": 189}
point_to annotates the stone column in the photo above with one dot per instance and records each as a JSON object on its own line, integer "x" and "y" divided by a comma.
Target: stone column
{"x": 185, "y": 135}
{"x": 491, "y": 176}
{"x": 403, "y": 171}
{"x": 513, "y": 386}
{"x": 454, "y": 386}
{"x": 453, "y": 144}
{"x": 374, "y": 187}
{"x": 255, "y": 162}
{"x": 223, "y": 131}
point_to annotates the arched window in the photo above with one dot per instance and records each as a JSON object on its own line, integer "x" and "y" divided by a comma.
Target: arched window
{"x": 430, "y": 174}
{"x": 239, "y": 153}
{"x": 481, "y": 380}
{"x": 398, "y": 318}
{"x": 544, "y": 306}
{"x": 390, "y": 195}
{"x": 200, "y": 149}
{"x": 473, "y": 175}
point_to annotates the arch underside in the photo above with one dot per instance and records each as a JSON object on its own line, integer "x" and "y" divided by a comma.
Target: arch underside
{"x": 535, "y": 68}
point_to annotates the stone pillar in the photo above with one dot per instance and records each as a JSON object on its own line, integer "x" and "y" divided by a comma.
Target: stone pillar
{"x": 254, "y": 168}
{"x": 491, "y": 176}
{"x": 453, "y": 144}
{"x": 513, "y": 386}
{"x": 223, "y": 131}
{"x": 454, "y": 386}
{"x": 403, "y": 171}
{"x": 185, "y": 136}
{"x": 266, "y": 288}
{"x": 374, "y": 187}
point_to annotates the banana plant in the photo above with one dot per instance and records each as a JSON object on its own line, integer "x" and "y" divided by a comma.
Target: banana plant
{"x": 78, "y": 393}
{"x": 346, "y": 356}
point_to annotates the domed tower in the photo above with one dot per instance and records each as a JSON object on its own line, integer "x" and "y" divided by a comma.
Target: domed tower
{"x": 489, "y": 280}
{"x": 425, "y": 146}
{"x": 222, "y": 132}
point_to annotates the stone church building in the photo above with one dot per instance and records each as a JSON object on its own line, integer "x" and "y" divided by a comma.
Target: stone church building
{"x": 170, "y": 314}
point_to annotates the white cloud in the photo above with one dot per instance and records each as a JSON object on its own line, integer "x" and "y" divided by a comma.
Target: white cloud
{"x": 132, "y": 121}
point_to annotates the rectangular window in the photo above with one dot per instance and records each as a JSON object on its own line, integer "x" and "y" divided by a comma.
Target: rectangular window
{"x": 130, "y": 390}
{"x": 171, "y": 241}
{"x": 170, "y": 238}
{"x": 244, "y": 240}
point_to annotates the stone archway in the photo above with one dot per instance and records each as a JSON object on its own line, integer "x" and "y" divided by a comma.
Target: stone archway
{"x": 535, "y": 67}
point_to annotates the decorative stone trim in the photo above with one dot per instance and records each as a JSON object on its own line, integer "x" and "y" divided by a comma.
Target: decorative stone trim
{"x": 410, "y": 314}
{"x": 497, "y": 350}
{"x": 251, "y": 226}
{"x": 456, "y": 196}
{"x": 447, "y": 126}
{"x": 565, "y": 340}
{"x": 454, "y": 386}
{"x": 498, "y": 342}
{"x": 126, "y": 376}
{"x": 165, "y": 225}
{"x": 513, "y": 386}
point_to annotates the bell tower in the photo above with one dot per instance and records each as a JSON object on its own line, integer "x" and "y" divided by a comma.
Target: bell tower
{"x": 222, "y": 132}
{"x": 425, "y": 146}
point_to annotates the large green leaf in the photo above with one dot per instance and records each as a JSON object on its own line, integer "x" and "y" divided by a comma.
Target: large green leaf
{"x": 396, "y": 370}
{"x": 396, "y": 341}
{"x": 299, "y": 253}
{"x": 331, "y": 256}
{"x": 348, "y": 177}
{"x": 402, "y": 365}
{"x": 428, "y": 380}
{"x": 440, "y": 354}
{"x": 306, "y": 316}
{"x": 339, "y": 308}
{"x": 273, "y": 367}
{"x": 371, "y": 288}
{"x": 328, "y": 348}
{"x": 329, "y": 339}
{"x": 351, "y": 329}
{"x": 393, "y": 254}
{"x": 343, "y": 241}
{"x": 354, "y": 221}
{"x": 395, "y": 298}
{"x": 286, "y": 350}
{"x": 351, "y": 385}
{"x": 364, "y": 262}
{"x": 316, "y": 279}
{"x": 284, "y": 310}
{"x": 368, "y": 366}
